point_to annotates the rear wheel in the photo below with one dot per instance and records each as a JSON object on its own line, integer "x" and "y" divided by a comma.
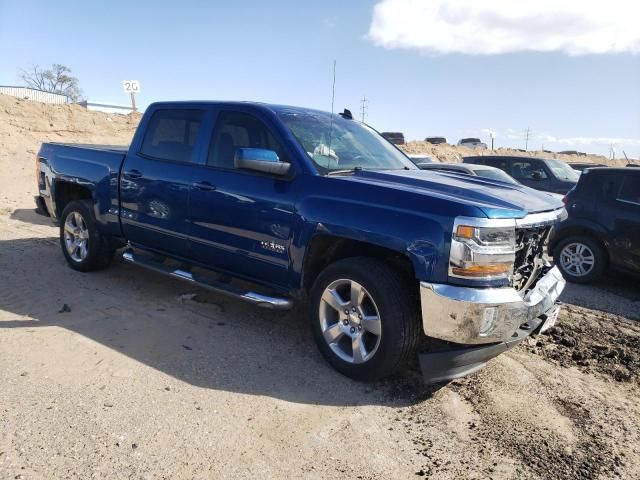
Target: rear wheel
{"x": 580, "y": 259}
{"x": 365, "y": 318}
{"x": 83, "y": 246}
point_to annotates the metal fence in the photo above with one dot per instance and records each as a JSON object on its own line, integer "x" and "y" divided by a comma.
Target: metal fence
{"x": 34, "y": 95}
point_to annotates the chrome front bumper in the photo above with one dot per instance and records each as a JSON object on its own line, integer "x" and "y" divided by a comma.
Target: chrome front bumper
{"x": 472, "y": 316}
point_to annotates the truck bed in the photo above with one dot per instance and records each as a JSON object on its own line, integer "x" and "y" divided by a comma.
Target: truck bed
{"x": 89, "y": 166}
{"x": 92, "y": 146}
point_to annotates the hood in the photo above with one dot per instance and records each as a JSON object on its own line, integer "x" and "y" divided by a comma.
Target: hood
{"x": 496, "y": 199}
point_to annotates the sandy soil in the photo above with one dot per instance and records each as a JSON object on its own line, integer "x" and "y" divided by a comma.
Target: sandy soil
{"x": 144, "y": 377}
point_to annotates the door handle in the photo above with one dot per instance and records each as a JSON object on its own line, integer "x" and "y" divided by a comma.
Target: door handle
{"x": 134, "y": 173}
{"x": 204, "y": 186}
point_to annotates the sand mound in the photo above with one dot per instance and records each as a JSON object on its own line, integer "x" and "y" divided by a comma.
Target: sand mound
{"x": 24, "y": 125}
{"x": 453, "y": 153}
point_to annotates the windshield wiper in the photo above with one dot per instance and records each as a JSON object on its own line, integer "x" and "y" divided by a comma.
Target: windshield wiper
{"x": 345, "y": 170}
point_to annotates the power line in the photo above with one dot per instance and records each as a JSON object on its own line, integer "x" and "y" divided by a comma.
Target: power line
{"x": 363, "y": 108}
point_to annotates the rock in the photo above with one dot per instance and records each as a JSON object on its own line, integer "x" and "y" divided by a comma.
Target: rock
{"x": 568, "y": 341}
{"x": 187, "y": 347}
{"x": 65, "y": 309}
{"x": 555, "y": 331}
{"x": 186, "y": 297}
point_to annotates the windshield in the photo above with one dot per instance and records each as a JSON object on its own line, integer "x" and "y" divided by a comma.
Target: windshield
{"x": 562, "y": 170}
{"x": 495, "y": 175}
{"x": 335, "y": 143}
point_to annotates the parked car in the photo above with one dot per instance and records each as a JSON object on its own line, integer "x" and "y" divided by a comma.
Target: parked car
{"x": 471, "y": 143}
{"x": 540, "y": 173}
{"x": 469, "y": 169}
{"x": 306, "y": 206}
{"x": 483, "y": 171}
{"x": 581, "y": 166}
{"x": 573, "y": 152}
{"x": 436, "y": 140}
{"x": 603, "y": 227}
{"x": 397, "y": 138}
{"x": 420, "y": 159}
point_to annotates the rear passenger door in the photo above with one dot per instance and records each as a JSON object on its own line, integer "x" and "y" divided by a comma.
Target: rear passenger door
{"x": 627, "y": 228}
{"x": 156, "y": 180}
{"x": 241, "y": 221}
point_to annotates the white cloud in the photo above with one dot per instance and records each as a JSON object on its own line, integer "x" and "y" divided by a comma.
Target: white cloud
{"x": 600, "y": 145}
{"x": 588, "y": 141}
{"x": 489, "y": 27}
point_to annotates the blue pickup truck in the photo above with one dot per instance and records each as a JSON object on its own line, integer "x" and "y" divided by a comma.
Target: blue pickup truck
{"x": 276, "y": 205}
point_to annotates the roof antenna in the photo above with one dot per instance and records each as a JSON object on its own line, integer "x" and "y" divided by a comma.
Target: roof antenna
{"x": 333, "y": 88}
{"x": 333, "y": 96}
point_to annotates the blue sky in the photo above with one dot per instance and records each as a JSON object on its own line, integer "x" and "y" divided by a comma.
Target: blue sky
{"x": 421, "y": 77}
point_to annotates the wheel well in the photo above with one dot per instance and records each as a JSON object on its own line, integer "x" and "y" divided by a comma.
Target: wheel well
{"x": 326, "y": 249}
{"x": 67, "y": 192}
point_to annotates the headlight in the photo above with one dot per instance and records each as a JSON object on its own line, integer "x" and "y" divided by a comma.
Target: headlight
{"x": 482, "y": 249}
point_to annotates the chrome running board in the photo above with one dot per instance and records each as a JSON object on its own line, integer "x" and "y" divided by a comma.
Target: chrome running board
{"x": 257, "y": 299}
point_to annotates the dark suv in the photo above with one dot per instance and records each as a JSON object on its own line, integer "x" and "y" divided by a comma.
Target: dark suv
{"x": 543, "y": 174}
{"x": 603, "y": 227}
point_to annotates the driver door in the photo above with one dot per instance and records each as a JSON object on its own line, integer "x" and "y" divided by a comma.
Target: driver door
{"x": 241, "y": 221}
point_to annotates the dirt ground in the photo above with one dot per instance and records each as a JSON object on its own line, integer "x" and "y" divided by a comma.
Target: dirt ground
{"x": 142, "y": 376}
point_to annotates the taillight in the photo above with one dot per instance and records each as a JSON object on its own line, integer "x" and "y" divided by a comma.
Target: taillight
{"x": 565, "y": 200}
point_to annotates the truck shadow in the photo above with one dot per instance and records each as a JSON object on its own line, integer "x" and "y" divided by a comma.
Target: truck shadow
{"x": 29, "y": 215}
{"x": 195, "y": 336}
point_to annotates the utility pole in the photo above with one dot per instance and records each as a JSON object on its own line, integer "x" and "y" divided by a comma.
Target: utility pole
{"x": 363, "y": 108}
{"x": 526, "y": 142}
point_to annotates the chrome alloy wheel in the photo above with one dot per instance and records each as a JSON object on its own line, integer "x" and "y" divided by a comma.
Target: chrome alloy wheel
{"x": 350, "y": 321}
{"x": 577, "y": 259}
{"x": 76, "y": 237}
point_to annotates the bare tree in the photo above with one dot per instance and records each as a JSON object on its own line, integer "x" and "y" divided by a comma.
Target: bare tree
{"x": 57, "y": 79}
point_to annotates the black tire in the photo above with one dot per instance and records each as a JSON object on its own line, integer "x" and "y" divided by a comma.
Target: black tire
{"x": 596, "y": 251}
{"x": 397, "y": 303}
{"x": 99, "y": 247}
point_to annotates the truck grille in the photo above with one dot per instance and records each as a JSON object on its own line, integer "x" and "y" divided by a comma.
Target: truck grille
{"x": 530, "y": 244}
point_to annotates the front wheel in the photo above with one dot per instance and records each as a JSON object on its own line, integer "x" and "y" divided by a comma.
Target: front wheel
{"x": 365, "y": 318}
{"x": 83, "y": 246}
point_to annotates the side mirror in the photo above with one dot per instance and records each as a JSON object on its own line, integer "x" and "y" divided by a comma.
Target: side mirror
{"x": 260, "y": 160}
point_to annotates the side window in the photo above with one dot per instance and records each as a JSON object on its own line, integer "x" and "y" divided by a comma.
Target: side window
{"x": 497, "y": 163}
{"x": 239, "y": 130}
{"x": 630, "y": 189}
{"x": 526, "y": 170}
{"x": 171, "y": 135}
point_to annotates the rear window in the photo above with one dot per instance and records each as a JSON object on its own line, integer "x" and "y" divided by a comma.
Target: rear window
{"x": 630, "y": 189}
{"x": 171, "y": 135}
